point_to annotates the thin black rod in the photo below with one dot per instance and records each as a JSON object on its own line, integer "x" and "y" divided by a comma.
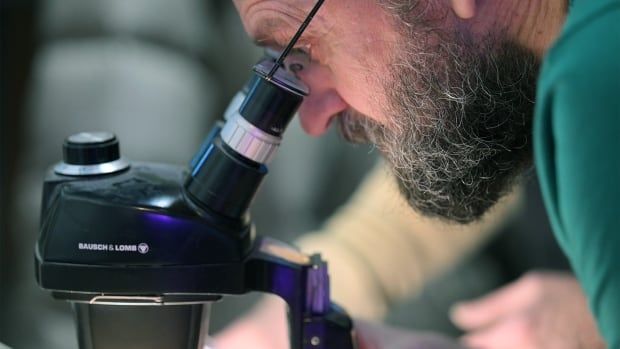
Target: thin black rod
{"x": 293, "y": 41}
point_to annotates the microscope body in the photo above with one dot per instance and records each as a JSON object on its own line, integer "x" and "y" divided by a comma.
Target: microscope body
{"x": 142, "y": 249}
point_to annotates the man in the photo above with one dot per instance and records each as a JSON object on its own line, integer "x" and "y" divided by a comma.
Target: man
{"x": 445, "y": 89}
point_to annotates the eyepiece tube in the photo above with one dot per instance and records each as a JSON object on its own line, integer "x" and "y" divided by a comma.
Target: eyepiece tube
{"x": 270, "y": 107}
{"x": 254, "y": 128}
{"x": 231, "y": 165}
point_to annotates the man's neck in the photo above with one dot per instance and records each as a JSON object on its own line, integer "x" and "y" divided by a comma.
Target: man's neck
{"x": 535, "y": 24}
{"x": 543, "y": 24}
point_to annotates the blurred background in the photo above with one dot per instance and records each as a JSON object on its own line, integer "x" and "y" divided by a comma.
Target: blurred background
{"x": 158, "y": 73}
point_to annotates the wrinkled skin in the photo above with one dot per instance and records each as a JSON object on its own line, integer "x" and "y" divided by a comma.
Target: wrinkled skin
{"x": 342, "y": 50}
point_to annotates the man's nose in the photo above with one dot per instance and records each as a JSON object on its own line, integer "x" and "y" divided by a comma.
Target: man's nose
{"x": 323, "y": 102}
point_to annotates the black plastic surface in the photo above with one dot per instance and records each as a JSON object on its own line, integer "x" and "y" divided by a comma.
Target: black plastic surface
{"x": 223, "y": 181}
{"x": 135, "y": 232}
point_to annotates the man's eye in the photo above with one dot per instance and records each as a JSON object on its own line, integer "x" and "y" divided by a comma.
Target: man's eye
{"x": 298, "y": 59}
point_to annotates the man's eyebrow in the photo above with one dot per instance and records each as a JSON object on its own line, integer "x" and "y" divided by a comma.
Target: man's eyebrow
{"x": 269, "y": 33}
{"x": 276, "y": 33}
{"x": 268, "y": 43}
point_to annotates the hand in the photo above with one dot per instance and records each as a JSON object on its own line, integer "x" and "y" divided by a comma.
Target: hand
{"x": 266, "y": 328}
{"x": 541, "y": 310}
{"x": 376, "y": 336}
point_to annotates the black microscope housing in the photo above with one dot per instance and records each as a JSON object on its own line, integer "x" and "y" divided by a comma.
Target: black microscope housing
{"x": 141, "y": 249}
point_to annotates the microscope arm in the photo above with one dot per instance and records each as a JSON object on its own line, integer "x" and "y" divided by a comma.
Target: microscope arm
{"x": 303, "y": 282}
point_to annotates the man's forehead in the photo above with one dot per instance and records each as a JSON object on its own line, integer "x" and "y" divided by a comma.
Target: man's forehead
{"x": 274, "y": 24}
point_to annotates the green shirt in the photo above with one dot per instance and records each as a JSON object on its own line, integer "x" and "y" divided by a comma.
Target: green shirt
{"x": 577, "y": 151}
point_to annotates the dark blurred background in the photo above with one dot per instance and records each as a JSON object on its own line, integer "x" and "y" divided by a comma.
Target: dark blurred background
{"x": 158, "y": 73}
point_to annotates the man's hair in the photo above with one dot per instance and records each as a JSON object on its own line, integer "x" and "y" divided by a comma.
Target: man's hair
{"x": 413, "y": 12}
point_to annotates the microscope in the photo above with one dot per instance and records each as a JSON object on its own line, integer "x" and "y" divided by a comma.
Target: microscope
{"x": 141, "y": 250}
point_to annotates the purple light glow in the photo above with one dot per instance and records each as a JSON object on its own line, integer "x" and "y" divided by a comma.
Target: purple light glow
{"x": 160, "y": 219}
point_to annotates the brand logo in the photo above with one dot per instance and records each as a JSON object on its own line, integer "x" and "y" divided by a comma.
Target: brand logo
{"x": 142, "y": 248}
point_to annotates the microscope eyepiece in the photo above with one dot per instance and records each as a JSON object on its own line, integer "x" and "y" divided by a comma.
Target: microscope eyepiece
{"x": 255, "y": 124}
{"x": 231, "y": 165}
{"x": 272, "y": 101}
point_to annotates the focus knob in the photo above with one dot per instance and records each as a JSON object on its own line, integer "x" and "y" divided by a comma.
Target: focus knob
{"x": 91, "y": 148}
{"x": 91, "y": 153}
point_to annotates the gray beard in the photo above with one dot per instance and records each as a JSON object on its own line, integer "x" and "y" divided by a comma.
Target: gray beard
{"x": 459, "y": 135}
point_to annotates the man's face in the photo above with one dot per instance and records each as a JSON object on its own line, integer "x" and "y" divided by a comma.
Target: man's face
{"x": 448, "y": 106}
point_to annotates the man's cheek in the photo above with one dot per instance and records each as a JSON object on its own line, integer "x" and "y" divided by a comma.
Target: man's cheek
{"x": 360, "y": 86}
{"x": 365, "y": 100}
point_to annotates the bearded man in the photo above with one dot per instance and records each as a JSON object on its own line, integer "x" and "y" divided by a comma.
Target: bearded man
{"x": 450, "y": 91}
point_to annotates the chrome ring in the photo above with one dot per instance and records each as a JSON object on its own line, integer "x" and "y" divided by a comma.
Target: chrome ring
{"x": 137, "y": 301}
{"x": 91, "y": 170}
{"x": 249, "y": 140}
